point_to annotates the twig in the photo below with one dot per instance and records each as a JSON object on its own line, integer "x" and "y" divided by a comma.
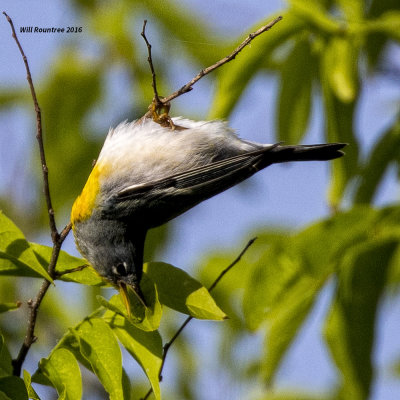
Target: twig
{"x": 58, "y": 274}
{"x": 233, "y": 263}
{"x": 188, "y": 87}
{"x": 150, "y": 60}
{"x": 158, "y": 109}
{"x": 57, "y": 238}
{"x": 188, "y": 319}
{"x": 39, "y": 136}
{"x": 30, "y": 337}
{"x": 64, "y": 233}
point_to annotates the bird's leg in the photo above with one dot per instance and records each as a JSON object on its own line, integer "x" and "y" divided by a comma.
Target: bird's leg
{"x": 160, "y": 113}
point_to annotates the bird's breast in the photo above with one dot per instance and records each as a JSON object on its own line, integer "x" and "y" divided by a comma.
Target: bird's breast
{"x": 87, "y": 201}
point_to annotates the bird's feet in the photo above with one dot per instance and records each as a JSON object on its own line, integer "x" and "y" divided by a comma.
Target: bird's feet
{"x": 160, "y": 113}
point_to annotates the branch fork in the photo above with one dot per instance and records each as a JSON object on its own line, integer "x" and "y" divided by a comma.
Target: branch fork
{"x": 158, "y": 101}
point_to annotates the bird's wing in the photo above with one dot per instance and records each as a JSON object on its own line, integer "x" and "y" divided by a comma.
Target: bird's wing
{"x": 198, "y": 176}
{"x": 156, "y": 202}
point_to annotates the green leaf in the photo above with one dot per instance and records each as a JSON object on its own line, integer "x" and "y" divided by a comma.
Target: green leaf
{"x": 289, "y": 275}
{"x": 315, "y": 16}
{"x": 62, "y": 370}
{"x": 126, "y": 385}
{"x": 294, "y": 97}
{"x": 339, "y": 118}
{"x": 342, "y": 64}
{"x": 144, "y": 347}
{"x": 353, "y": 10}
{"x": 386, "y": 151}
{"x": 376, "y": 43}
{"x": 9, "y": 306}
{"x": 66, "y": 262}
{"x": 96, "y": 348}
{"x": 3, "y": 396}
{"x": 281, "y": 292}
{"x": 179, "y": 291}
{"x": 69, "y": 341}
{"x": 350, "y": 326}
{"x": 13, "y": 387}
{"x": 272, "y": 277}
{"x": 28, "y": 384}
{"x": 379, "y": 7}
{"x": 233, "y": 78}
{"x": 16, "y": 256}
{"x": 100, "y": 347}
{"x": 285, "y": 320}
{"x": 287, "y": 258}
{"x": 388, "y": 23}
{"x": 6, "y": 368}
{"x": 12, "y": 97}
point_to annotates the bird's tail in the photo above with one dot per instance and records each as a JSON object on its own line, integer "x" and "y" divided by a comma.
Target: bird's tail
{"x": 314, "y": 152}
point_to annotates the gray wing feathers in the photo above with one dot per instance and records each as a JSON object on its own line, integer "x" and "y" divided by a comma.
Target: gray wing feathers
{"x": 197, "y": 176}
{"x": 234, "y": 169}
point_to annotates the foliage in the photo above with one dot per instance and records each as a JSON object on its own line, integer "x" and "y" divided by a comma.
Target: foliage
{"x": 324, "y": 50}
{"x": 94, "y": 341}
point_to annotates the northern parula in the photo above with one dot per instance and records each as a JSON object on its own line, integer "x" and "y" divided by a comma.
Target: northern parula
{"x": 147, "y": 174}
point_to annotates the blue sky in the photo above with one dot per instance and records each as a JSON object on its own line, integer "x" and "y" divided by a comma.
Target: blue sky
{"x": 288, "y": 195}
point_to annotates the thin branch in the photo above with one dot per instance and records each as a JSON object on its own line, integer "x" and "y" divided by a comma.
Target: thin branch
{"x": 39, "y": 136}
{"x": 188, "y": 319}
{"x": 158, "y": 109}
{"x": 188, "y": 87}
{"x": 233, "y": 263}
{"x": 150, "y": 60}
{"x": 58, "y": 274}
{"x": 64, "y": 233}
{"x": 30, "y": 337}
{"x": 57, "y": 238}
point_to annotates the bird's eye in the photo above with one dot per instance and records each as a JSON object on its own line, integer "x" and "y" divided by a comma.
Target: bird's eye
{"x": 120, "y": 269}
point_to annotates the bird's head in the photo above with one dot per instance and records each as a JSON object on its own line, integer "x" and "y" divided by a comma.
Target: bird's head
{"x": 115, "y": 255}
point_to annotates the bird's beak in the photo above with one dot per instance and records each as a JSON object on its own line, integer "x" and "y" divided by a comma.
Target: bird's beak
{"x": 131, "y": 296}
{"x": 123, "y": 291}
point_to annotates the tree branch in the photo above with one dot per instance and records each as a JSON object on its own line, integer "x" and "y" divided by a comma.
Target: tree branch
{"x": 188, "y": 87}
{"x": 188, "y": 319}
{"x": 150, "y": 60}
{"x": 57, "y": 238}
{"x": 39, "y": 136}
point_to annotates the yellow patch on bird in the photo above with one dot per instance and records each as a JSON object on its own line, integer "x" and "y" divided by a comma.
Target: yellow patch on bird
{"x": 86, "y": 201}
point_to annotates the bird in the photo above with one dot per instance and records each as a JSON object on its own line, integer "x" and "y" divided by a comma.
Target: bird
{"x": 148, "y": 173}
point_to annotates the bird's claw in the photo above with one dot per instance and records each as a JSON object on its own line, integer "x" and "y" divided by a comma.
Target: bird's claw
{"x": 160, "y": 113}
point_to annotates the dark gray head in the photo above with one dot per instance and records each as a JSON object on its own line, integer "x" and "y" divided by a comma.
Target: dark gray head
{"x": 112, "y": 250}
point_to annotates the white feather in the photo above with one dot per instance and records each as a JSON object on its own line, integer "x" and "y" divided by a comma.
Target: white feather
{"x": 142, "y": 151}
